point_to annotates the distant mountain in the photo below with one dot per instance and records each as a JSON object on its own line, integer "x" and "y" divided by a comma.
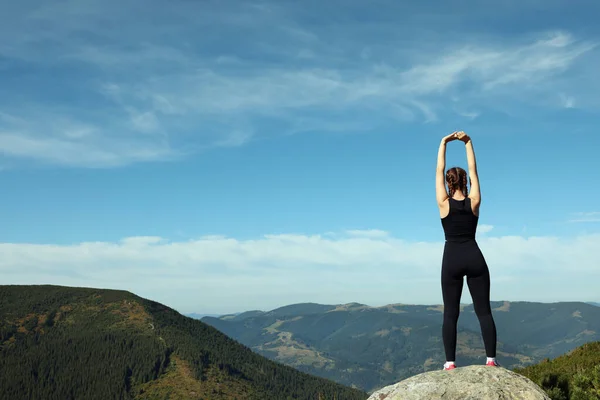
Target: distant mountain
{"x": 575, "y": 375}
{"x": 285, "y": 311}
{"x": 594, "y": 303}
{"x": 200, "y": 316}
{"x": 371, "y": 347}
{"x": 241, "y": 316}
{"x": 79, "y": 343}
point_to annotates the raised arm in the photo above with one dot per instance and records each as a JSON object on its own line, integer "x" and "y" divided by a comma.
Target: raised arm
{"x": 475, "y": 192}
{"x": 440, "y": 188}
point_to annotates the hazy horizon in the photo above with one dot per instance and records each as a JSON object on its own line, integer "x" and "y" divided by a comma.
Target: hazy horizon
{"x": 596, "y": 303}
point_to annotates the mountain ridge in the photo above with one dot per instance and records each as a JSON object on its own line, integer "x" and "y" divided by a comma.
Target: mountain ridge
{"x": 55, "y": 341}
{"x": 245, "y": 314}
{"x": 345, "y": 342}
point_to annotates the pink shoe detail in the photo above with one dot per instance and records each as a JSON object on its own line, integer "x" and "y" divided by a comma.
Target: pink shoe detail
{"x": 492, "y": 364}
{"x": 452, "y": 366}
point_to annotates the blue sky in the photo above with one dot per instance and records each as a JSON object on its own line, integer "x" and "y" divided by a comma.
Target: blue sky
{"x": 225, "y": 156}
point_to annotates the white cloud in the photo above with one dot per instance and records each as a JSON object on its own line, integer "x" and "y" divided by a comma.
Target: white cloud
{"x": 145, "y": 122}
{"x": 469, "y": 114}
{"x": 170, "y": 78}
{"x": 369, "y": 233}
{"x": 593, "y": 216}
{"x": 295, "y": 87}
{"x": 223, "y": 274}
{"x": 484, "y": 228}
{"x": 136, "y": 241}
{"x": 72, "y": 152}
{"x": 567, "y": 101}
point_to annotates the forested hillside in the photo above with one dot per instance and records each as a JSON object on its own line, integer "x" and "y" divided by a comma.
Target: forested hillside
{"x": 572, "y": 376}
{"x": 79, "y": 343}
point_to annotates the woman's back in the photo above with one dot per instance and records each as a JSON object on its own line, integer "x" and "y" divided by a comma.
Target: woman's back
{"x": 460, "y": 224}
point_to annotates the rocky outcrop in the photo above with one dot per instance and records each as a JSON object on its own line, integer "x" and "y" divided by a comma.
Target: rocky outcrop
{"x": 475, "y": 382}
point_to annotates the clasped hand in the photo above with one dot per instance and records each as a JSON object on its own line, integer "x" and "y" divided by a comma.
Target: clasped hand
{"x": 459, "y": 135}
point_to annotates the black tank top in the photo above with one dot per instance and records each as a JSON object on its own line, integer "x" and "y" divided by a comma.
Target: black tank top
{"x": 460, "y": 225}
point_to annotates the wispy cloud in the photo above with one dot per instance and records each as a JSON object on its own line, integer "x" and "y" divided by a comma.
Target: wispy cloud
{"x": 58, "y": 140}
{"x": 483, "y": 228}
{"x": 593, "y": 216}
{"x": 224, "y": 274}
{"x": 567, "y": 101}
{"x": 148, "y": 85}
{"x": 468, "y": 114}
{"x": 369, "y": 233}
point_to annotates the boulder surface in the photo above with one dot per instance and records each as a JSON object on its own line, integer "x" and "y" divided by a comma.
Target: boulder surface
{"x": 474, "y": 382}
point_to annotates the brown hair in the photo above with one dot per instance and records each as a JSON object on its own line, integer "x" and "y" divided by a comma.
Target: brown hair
{"x": 456, "y": 178}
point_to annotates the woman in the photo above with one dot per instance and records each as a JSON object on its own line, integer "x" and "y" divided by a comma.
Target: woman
{"x": 459, "y": 211}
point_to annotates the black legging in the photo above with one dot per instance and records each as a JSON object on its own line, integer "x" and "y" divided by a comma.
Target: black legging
{"x": 462, "y": 259}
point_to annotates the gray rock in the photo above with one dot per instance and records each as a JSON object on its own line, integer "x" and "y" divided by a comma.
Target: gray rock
{"x": 474, "y": 382}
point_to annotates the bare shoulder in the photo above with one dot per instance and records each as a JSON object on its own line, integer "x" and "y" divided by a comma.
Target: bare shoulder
{"x": 444, "y": 207}
{"x": 475, "y": 204}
